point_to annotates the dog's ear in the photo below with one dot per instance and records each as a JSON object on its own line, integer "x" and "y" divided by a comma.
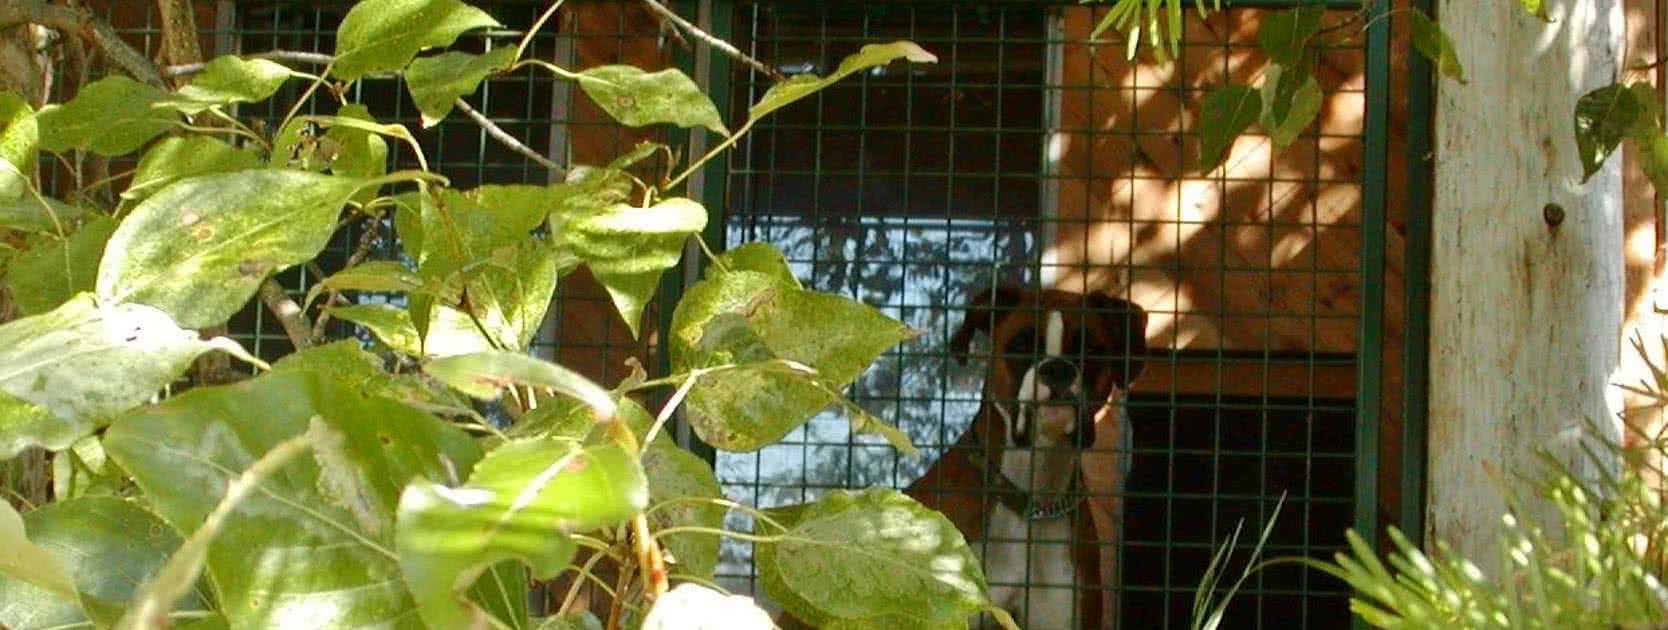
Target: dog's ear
{"x": 984, "y": 310}
{"x": 1127, "y": 323}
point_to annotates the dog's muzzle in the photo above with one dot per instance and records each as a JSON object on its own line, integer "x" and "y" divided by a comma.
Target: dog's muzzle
{"x": 1051, "y": 385}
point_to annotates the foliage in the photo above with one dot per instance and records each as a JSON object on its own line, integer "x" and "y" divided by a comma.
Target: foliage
{"x": 355, "y": 483}
{"x": 1599, "y": 565}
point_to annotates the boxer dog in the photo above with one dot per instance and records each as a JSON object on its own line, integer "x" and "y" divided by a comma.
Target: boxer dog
{"x": 1060, "y": 361}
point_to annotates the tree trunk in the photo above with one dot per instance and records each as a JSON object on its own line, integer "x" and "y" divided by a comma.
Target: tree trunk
{"x": 1526, "y": 262}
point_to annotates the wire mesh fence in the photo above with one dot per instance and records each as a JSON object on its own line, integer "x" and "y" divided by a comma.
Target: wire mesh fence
{"x": 1030, "y": 156}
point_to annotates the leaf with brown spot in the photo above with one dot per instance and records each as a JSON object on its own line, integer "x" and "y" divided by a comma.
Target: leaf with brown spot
{"x": 201, "y": 274}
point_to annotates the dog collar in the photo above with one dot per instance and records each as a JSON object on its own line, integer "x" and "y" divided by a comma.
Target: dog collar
{"x": 1034, "y": 507}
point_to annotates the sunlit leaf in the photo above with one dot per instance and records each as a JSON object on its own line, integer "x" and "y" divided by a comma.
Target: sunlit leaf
{"x": 173, "y": 159}
{"x": 109, "y": 546}
{"x": 520, "y": 500}
{"x": 19, "y": 141}
{"x": 757, "y": 256}
{"x": 230, "y": 79}
{"x": 110, "y": 116}
{"x": 1291, "y": 99}
{"x": 383, "y": 35}
{"x": 870, "y": 554}
{"x": 800, "y": 86}
{"x": 53, "y": 270}
{"x": 355, "y": 150}
{"x": 485, "y": 374}
{"x": 513, "y": 291}
{"x": 199, "y": 248}
{"x": 628, "y": 247}
{"x": 374, "y": 275}
{"x": 435, "y": 82}
{"x": 28, "y": 561}
{"x": 746, "y": 317}
{"x": 1225, "y": 113}
{"x": 82, "y": 363}
{"x": 390, "y": 324}
{"x": 678, "y": 482}
{"x": 345, "y": 363}
{"x": 316, "y": 542}
{"x": 179, "y": 574}
{"x": 637, "y": 98}
{"x": 1431, "y": 42}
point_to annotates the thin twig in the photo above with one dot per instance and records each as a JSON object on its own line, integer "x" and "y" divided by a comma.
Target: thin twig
{"x": 81, "y": 23}
{"x": 288, "y": 313}
{"x": 360, "y": 253}
{"x": 317, "y": 59}
{"x": 504, "y": 137}
{"x": 712, "y": 41}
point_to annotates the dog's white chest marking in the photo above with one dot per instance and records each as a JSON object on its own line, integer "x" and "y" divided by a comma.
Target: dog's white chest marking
{"x": 1028, "y": 565}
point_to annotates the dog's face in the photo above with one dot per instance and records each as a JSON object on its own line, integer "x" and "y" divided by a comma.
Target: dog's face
{"x": 1057, "y": 357}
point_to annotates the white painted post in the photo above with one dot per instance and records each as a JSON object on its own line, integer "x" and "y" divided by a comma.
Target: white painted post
{"x": 1526, "y": 304}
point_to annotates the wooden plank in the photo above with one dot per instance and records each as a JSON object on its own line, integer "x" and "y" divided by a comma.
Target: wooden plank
{"x": 1525, "y": 314}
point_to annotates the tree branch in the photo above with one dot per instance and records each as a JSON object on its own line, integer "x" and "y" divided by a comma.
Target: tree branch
{"x": 504, "y": 137}
{"x": 86, "y": 26}
{"x": 721, "y": 45}
{"x": 288, "y": 313}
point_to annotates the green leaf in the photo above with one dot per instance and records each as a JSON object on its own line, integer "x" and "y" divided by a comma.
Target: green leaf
{"x": 436, "y": 82}
{"x": 28, "y": 214}
{"x": 316, "y": 542}
{"x": 637, "y": 98}
{"x": 675, "y": 476}
{"x": 1602, "y": 118}
{"x": 800, "y": 86}
{"x": 483, "y": 374}
{"x": 53, "y": 270}
{"x": 82, "y": 363}
{"x": 755, "y": 256}
{"x": 1284, "y": 35}
{"x": 357, "y": 151}
{"x": 1291, "y": 99}
{"x": 514, "y": 290}
{"x": 854, "y": 556}
{"x": 19, "y": 140}
{"x": 1224, "y": 114}
{"x": 345, "y": 363}
{"x": 111, "y": 116}
{"x": 199, "y": 248}
{"x": 109, "y": 546}
{"x": 374, "y": 275}
{"x": 1430, "y": 41}
{"x": 1536, "y": 8}
{"x": 179, "y": 574}
{"x": 1654, "y": 160}
{"x": 459, "y": 232}
{"x": 178, "y": 158}
{"x": 520, "y": 500}
{"x": 383, "y": 35}
{"x": 230, "y": 79}
{"x": 575, "y": 620}
{"x": 28, "y": 561}
{"x": 744, "y": 409}
{"x": 627, "y": 248}
{"x": 390, "y": 324}
{"x": 690, "y": 605}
